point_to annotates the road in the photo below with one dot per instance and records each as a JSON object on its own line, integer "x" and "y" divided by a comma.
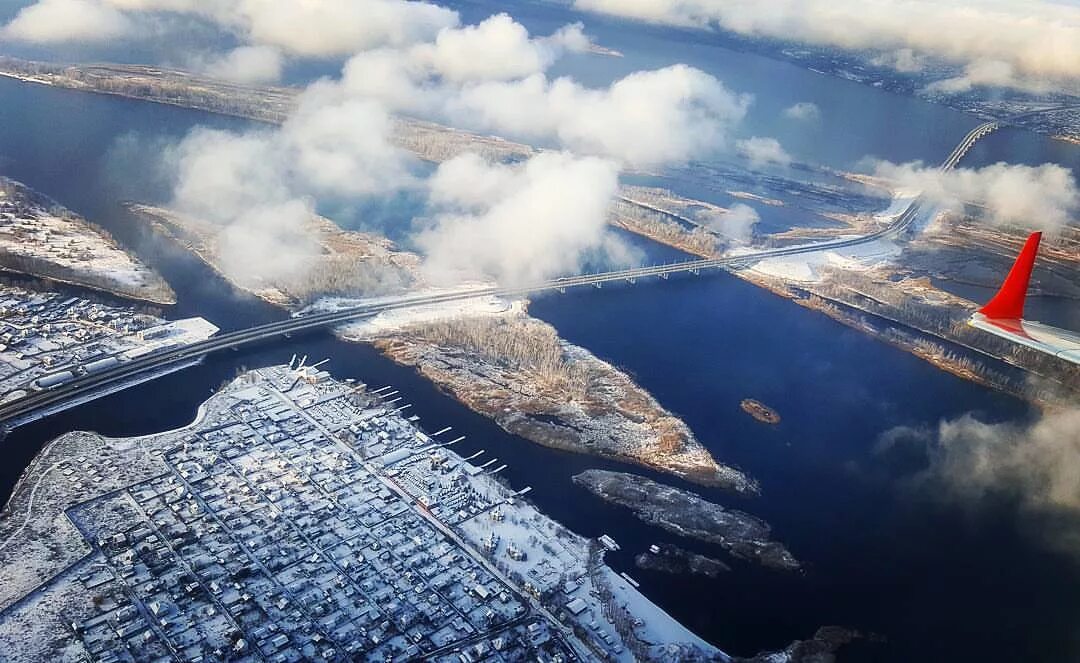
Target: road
{"x": 40, "y": 403}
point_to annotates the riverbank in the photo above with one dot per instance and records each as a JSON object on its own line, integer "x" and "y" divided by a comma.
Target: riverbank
{"x": 41, "y": 238}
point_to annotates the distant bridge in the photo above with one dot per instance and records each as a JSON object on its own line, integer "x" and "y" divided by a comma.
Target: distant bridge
{"x": 125, "y": 374}
{"x": 969, "y": 141}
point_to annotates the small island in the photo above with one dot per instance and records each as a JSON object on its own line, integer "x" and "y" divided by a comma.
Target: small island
{"x": 760, "y": 411}
{"x": 686, "y": 514}
{"x": 667, "y": 558}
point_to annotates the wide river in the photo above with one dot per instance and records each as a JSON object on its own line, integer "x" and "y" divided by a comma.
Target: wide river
{"x": 937, "y": 579}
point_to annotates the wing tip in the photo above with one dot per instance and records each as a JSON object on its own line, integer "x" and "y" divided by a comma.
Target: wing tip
{"x": 1008, "y": 303}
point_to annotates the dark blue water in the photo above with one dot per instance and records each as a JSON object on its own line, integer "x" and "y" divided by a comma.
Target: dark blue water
{"x": 939, "y": 581}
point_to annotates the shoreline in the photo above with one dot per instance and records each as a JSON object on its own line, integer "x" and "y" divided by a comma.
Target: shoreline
{"x": 32, "y": 222}
{"x": 108, "y": 291}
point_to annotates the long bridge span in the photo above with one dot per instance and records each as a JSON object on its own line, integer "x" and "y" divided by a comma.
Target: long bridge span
{"x": 128, "y": 373}
{"x": 974, "y": 136}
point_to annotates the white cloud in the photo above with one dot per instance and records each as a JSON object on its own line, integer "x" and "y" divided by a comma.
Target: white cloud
{"x": 1038, "y": 39}
{"x": 269, "y": 243}
{"x": 498, "y": 48}
{"x": 648, "y": 118}
{"x": 736, "y": 224}
{"x": 340, "y": 27}
{"x": 470, "y": 183}
{"x": 804, "y": 111}
{"x": 514, "y": 223}
{"x": 1045, "y": 197}
{"x": 1036, "y": 463}
{"x": 989, "y": 73}
{"x": 341, "y": 145}
{"x": 51, "y": 21}
{"x": 421, "y": 78}
{"x": 522, "y": 223}
{"x": 904, "y": 60}
{"x": 314, "y": 28}
{"x": 260, "y": 186}
{"x": 221, "y": 174}
{"x": 246, "y": 64}
{"x": 763, "y": 152}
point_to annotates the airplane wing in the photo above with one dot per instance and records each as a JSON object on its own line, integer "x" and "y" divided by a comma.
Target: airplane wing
{"x": 1004, "y": 314}
{"x": 1061, "y": 343}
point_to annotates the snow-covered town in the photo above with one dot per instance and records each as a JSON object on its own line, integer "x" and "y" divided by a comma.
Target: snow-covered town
{"x": 48, "y": 338}
{"x": 305, "y": 518}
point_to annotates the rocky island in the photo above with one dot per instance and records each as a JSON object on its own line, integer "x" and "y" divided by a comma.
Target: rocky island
{"x": 760, "y": 411}
{"x": 667, "y": 558}
{"x": 40, "y": 238}
{"x": 821, "y": 648}
{"x": 687, "y": 514}
{"x": 516, "y": 370}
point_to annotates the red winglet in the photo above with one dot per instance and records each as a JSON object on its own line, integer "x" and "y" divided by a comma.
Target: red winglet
{"x": 1008, "y": 303}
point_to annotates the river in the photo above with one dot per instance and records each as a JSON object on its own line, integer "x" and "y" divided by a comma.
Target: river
{"x": 937, "y": 579}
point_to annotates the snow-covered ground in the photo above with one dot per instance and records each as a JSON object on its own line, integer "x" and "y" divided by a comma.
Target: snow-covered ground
{"x": 62, "y": 240}
{"x": 808, "y": 267}
{"x": 383, "y": 323}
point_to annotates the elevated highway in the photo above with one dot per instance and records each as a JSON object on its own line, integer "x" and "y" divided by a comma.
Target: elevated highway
{"x": 84, "y": 388}
{"x": 969, "y": 141}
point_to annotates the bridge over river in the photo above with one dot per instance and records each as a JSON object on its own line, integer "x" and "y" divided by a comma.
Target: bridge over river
{"x": 132, "y": 372}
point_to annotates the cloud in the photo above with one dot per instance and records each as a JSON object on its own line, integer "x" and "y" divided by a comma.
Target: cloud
{"x": 515, "y": 223}
{"x": 1037, "y": 463}
{"x": 52, "y": 21}
{"x": 646, "y": 119}
{"x": 312, "y": 28}
{"x": 246, "y": 64}
{"x": 804, "y": 111}
{"x": 763, "y": 152}
{"x": 422, "y": 78}
{"x": 519, "y": 223}
{"x": 1038, "y": 39}
{"x": 1045, "y": 197}
{"x": 259, "y": 186}
{"x": 497, "y": 48}
{"x": 736, "y": 224}
{"x": 988, "y": 73}
{"x": 341, "y": 145}
{"x": 325, "y": 28}
{"x": 904, "y": 60}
